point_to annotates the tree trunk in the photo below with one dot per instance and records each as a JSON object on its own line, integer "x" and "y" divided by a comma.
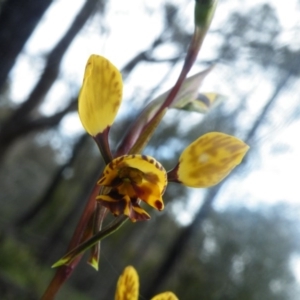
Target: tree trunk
{"x": 12, "y": 128}
{"x": 18, "y": 19}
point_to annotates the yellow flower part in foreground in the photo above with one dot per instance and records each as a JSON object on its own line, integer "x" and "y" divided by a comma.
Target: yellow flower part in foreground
{"x": 100, "y": 95}
{"x": 131, "y": 178}
{"x": 128, "y": 287}
{"x": 209, "y": 159}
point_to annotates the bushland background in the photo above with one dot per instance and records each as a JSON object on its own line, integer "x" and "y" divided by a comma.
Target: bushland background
{"x": 238, "y": 240}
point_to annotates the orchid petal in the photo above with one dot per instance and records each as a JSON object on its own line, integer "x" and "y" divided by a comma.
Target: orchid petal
{"x": 209, "y": 159}
{"x": 116, "y": 206}
{"x": 128, "y": 285}
{"x": 100, "y": 95}
{"x": 165, "y": 296}
{"x": 150, "y": 194}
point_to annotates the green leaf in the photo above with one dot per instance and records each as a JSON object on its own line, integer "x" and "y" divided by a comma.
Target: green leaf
{"x": 204, "y": 12}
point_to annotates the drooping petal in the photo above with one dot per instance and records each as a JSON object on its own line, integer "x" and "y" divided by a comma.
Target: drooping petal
{"x": 138, "y": 214}
{"x": 210, "y": 159}
{"x": 128, "y": 285}
{"x": 117, "y": 205}
{"x": 149, "y": 193}
{"x": 165, "y": 296}
{"x": 153, "y": 172}
{"x": 100, "y": 95}
{"x": 123, "y": 205}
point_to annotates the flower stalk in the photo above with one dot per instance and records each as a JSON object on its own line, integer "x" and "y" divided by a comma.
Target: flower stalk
{"x": 73, "y": 255}
{"x": 202, "y": 23}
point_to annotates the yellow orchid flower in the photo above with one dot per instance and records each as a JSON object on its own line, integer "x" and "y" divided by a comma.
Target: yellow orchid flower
{"x": 131, "y": 178}
{"x": 128, "y": 287}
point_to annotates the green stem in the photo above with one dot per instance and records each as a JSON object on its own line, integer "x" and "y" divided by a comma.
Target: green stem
{"x": 100, "y": 214}
{"x": 73, "y": 254}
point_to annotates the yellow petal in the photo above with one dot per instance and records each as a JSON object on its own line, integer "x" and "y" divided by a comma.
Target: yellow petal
{"x": 150, "y": 193}
{"x": 165, "y": 296}
{"x": 128, "y": 285}
{"x": 100, "y": 95}
{"x": 210, "y": 159}
{"x": 153, "y": 171}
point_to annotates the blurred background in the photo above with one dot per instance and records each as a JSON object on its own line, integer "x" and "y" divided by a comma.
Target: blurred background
{"x": 238, "y": 240}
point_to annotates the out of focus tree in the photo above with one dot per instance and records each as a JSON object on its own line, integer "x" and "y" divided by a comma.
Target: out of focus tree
{"x": 17, "y": 22}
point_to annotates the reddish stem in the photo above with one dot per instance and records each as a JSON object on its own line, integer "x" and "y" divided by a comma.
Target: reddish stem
{"x": 190, "y": 58}
{"x": 64, "y": 272}
{"x": 172, "y": 174}
{"x": 101, "y": 140}
{"x": 135, "y": 130}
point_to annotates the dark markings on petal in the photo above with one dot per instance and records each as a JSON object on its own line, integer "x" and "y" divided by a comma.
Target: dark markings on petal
{"x": 144, "y": 157}
{"x": 116, "y": 105}
{"x": 130, "y": 286}
{"x": 139, "y": 217}
{"x": 158, "y": 205}
{"x": 113, "y": 75}
{"x": 204, "y": 99}
{"x": 116, "y": 182}
{"x": 137, "y": 213}
{"x": 116, "y": 208}
{"x": 101, "y": 180}
{"x": 146, "y": 217}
